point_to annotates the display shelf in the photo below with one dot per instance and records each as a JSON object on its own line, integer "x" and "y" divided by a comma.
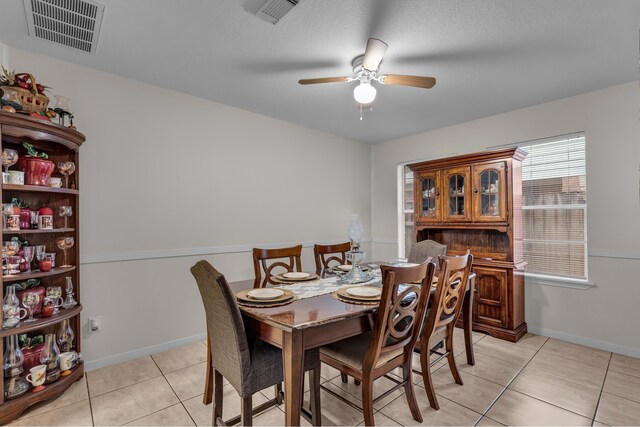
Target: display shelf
{"x": 37, "y": 274}
{"x": 13, "y": 408}
{"x": 37, "y": 231}
{"x": 42, "y": 322}
{"x": 38, "y": 189}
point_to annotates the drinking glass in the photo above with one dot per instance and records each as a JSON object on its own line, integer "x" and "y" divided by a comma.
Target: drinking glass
{"x": 65, "y": 243}
{"x": 29, "y": 252}
{"x": 66, "y": 169}
{"x": 41, "y": 250}
{"x": 54, "y": 293}
{"x": 30, "y": 301}
{"x": 7, "y": 210}
{"x": 9, "y": 158}
{"x": 65, "y": 212}
{"x": 9, "y": 249}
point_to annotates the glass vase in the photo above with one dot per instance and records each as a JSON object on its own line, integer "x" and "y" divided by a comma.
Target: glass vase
{"x": 49, "y": 357}
{"x": 65, "y": 336}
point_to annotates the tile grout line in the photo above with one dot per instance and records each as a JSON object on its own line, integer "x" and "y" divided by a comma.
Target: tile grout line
{"x": 174, "y": 392}
{"x": 595, "y": 412}
{"x": 512, "y": 380}
{"x": 86, "y": 382}
{"x": 533, "y": 397}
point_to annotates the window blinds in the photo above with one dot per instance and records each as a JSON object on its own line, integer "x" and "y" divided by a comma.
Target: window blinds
{"x": 555, "y": 207}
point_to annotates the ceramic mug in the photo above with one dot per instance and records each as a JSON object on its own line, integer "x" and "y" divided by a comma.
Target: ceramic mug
{"x": 16, "y": 177}
{"x": 37, "y": 375}
{"x": 67, "y": 359}
{"x": 51, "y": 256}
{"x": 45, "y": 222}
{"x": 12, "y": 317}
{"x": 55, "y": 182}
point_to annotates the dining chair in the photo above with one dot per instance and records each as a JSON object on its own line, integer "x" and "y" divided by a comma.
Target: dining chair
{"x": 325, "y": 254}
{"x": 424, "y": 249}
{"x": 440, "y": 321}
{"x": 390, "y": 344}
{"x": 260, "y": 265}
{"x": 249, "y": 364}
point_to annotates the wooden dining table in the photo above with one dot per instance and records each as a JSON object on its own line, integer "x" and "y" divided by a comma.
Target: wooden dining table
{"x": 312, "y": 322}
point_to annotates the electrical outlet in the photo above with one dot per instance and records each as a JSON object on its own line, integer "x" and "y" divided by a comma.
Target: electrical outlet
{"x": 95, "y": 323}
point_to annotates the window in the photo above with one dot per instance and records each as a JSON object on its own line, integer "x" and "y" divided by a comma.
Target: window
{"x": 554, "y": 207}
{"x": 406, "y": 228}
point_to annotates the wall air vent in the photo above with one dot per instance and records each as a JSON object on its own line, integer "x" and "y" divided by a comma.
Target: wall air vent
{"x": 271, "y": 11}
{"x": 72, "y": 23}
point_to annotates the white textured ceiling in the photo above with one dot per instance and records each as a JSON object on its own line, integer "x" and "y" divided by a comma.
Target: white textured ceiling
{"x": 488, "y": 56}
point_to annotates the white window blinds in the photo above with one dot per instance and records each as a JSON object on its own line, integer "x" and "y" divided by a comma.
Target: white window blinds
{"x": 554, "y": 190}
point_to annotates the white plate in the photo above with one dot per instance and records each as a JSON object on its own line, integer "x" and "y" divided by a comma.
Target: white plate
{"x": 364, "y": 291}
{"x": 404, "y": 264}
{"x": 265, "y": 294}
{"x": 295, "y": 275}
{"x": 344, "y": 267}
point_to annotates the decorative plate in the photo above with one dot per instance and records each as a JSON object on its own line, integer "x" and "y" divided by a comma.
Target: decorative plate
{"x": 295, "y": 275}
{"x": 364, "y": 292}
{"x": 265, "y": 294}
{"x": 284, "y": 279}
{"x": 243, "y": 296}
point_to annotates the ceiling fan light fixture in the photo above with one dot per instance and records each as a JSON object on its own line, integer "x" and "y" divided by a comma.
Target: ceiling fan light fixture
{"x": 364, "y": 93}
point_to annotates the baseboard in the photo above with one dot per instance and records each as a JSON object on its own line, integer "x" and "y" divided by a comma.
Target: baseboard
{"x": 141, "y": 352}
{"x": 577, "y": 339}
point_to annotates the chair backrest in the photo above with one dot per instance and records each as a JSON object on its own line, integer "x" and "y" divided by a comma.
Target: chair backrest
{"x": 324, "y": 254}
{"x": 453, "y": 276}
{"x": 401, "y": 314}
{"x": 260, "y": 266}
{"x": 424, "y": 249}
{"x": 230, "y": 354}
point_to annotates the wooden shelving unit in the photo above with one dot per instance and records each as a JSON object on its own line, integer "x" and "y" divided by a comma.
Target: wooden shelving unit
{"x": 61, "y": 144}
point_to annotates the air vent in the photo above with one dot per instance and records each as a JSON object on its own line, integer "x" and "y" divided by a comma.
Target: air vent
{"x": 271, "y": 11}
{"x": 72, "y": 23}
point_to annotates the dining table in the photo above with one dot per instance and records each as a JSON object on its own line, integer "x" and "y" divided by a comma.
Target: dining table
{"x": 315, "y": 318}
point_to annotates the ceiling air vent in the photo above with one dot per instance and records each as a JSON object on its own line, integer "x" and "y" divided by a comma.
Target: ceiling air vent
{"x": 73, "y": 23}
{"x": 271, "y": 11}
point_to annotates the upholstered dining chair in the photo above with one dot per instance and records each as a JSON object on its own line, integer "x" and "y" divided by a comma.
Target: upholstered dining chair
{"x": 390, "y": 344}
{"x": 249, "y": 364}
{"x": 260, "y": 265}
{"x": 446, "y": 305}
{"x": 424, "y": 249}
{"x": 326, "y": 254}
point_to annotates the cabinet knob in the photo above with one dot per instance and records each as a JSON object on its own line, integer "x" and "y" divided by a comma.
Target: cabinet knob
{"x": 475, "y": 191}
{"x": 437, "y": 193}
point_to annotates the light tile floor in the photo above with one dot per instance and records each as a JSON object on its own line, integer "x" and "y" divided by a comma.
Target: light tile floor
{"x": 537, "y": 381}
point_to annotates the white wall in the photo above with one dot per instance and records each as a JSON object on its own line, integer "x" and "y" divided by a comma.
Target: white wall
{"x": 605, "y": 316}
{"x": 167, "y": 179}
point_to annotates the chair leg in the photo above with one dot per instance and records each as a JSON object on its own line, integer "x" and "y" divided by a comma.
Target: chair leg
{"x": 279, "y": 394}
{"x": 426, "y": 376}
{"x": 314, "y": 396}
{"x": 450, "y": 355}
{"x": 246, "y": 412}
{"x": 344, "y": 377}
{"x": 208, "y": 380}
{"x": 367, "y": 401}
{"x": 407, "y": 376}
{"x": 218, "y": 393}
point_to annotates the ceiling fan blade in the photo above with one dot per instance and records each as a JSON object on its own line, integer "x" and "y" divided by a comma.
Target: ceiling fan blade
{"x": 415, "y": 81}
{"x": 373, "y": 54}
{"x": 323, "y": 80}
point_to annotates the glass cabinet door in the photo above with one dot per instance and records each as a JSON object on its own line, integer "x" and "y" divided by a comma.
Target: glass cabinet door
{"x": 489, "y": 192}
{"x": 428, "y": 192}
{"x": 457, "y": 191}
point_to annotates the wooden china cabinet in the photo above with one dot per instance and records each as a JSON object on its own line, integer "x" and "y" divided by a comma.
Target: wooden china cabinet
{"x": 474, "y": 202}
{"x": 61, "y": 144}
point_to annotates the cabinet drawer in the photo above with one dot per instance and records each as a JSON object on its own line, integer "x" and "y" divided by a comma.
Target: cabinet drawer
{"x": 490, "y": 304}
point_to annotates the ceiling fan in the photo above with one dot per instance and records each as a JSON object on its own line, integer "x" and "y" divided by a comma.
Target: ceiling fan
{"x": 365, "y": 70}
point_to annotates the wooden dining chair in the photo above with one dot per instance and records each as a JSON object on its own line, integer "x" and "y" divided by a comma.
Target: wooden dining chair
{"x": 390, "y": 344}
{"x": 446, "y": 305}
{"x": 326, "y": 254}
{"x": 424, "y": 249}
{"x": 249, "y": 364}
{"x": 261, "y": 266}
